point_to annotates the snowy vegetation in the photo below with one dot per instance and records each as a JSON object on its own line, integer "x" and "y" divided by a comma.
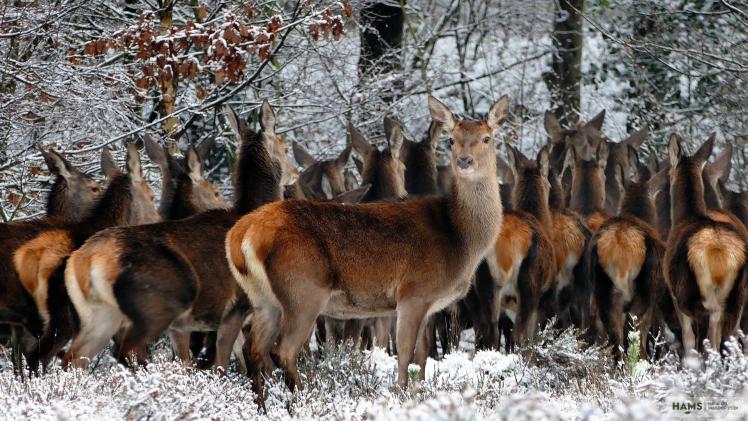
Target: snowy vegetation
{"x": 82, "y": 75}
{"x": 555, "y": 378}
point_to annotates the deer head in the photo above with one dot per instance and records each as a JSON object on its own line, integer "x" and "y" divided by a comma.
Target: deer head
{"x": 73, "y": 192}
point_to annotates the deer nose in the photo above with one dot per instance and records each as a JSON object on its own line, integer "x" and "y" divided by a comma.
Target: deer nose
{"x": 464, "y": 162}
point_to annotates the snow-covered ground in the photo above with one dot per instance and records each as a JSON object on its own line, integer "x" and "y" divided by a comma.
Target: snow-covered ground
{"x": 555, "y": 378}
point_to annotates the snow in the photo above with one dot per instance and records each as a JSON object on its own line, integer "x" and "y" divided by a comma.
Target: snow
{"x": 344, "y": 383}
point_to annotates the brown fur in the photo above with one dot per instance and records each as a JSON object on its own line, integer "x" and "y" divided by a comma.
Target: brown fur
{"x": 127, "y": 200}
{"x": 706, "y": 255}
{"x": 525, "y": 264}
{"x": 412, "y": 257}
{"x": 171, "y": 275}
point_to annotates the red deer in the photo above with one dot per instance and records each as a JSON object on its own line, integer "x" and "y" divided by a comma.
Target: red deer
{"x": 588, "y": 183}
{"x": 523, "y": 264}
{"x": 385, "y": 173}
{"x": 584, "y": 136}
{"x": 623, "y": 153}
{"x": 73, "y": 192}
{"x": 320, "y": 179}
{"x": 705, "y": 260}
{"x": 185, "y": 192}
{"x": 171, "y": 275}
{"x": 298, "y": 259}
{"x": 40, "y": 260}
{"x": 184, "y": 187}
{"x": 570, "y": 237}
{"x": 733, "y": 202}
{"x": 626, "y": 262}
{"x": 72, "y": 195}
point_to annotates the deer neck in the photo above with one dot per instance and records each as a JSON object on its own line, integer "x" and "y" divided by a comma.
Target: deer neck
{"x": 475, "y": 213}
{"x": 638, "y": 204}
{"x": 687, "y": 196}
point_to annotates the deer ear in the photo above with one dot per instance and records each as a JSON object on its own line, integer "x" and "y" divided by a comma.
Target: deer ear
{"x": 723, "y": 190}
{"x": 395, "y": 137}
{"x": 134, "y": 167}
{"x": 108, "y": 166}
{"x": 504, "y": 170}
{"x": 203, "y": 149}
{"x": 498, "y": 113}
{"x": 194, "y": 164}
{"x": 267, "y": 118}
{"x": 344, "y": 156}
{"x": 353, "y": 196}
{"x": 702, "y": 155}
{"x": 155, "y": 152}
{"x": 441, "y": 114}
{"x": 432, "y": 137}
{"x": 675, "y": 149}
{"x": 360, "y": 144}
{"x": 601, "y": 154}
{"x": 57, "y": 164}
{"x": 552, "y": 126}
{"x": 359, "y": 165}
{"x": 570, "y": 159}
{"x": 637, "y": 138}
{"x": 543, "y": 161}
{"x": 597, "y": 121}
{"x": 619, "y": 175}
{"x": 513, "y": 159}
{"x": 658, "y": 182}
{"x": 302, "y": 156}
{"x": 720, "y": 168}
{"x": 236, "y": 123}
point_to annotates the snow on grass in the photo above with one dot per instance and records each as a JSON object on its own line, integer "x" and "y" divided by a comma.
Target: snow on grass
{"x": 557, "y": 377}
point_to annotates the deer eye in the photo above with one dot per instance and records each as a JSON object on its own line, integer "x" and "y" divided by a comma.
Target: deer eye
{"x": 451, "y": 141}
{"x": 486, "y": 139}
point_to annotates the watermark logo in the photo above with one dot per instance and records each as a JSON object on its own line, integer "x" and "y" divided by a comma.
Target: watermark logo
{"x": 701, "y": 407}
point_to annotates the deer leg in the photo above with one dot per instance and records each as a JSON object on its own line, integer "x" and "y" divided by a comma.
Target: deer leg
{"x": 180, "y": 342}
{"x": 645, "y": 324}
{"x": 410, "y": 320}
{"x": 134, "y": 338}
{"x": 689, "y": 338}
{"x": 298, "y": 322}
{"x": 237, "y": 348}
{"x": 715, "y": 328}
{"x": 424, "y": 343}
{"x": 93, "y": 336}
{"x": 225, "y": 338}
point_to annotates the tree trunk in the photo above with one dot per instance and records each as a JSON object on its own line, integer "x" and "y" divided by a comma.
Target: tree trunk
{"x": 565, "y": 79}
{"x": 381, "y": 38}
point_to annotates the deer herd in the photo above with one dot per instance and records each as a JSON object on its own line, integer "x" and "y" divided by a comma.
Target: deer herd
{"x": 586, "y": 234}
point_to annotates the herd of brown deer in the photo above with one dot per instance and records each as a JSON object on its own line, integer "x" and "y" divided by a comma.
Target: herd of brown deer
{"x": 585, "y": 234}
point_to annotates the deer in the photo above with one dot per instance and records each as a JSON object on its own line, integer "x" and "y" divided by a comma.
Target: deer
{"x": 171, "y": 276}
{"x": 410, "y": 258}
{"x": 523, "y": 264}
{"x": 320, "y": 180}
{"x": 623, "y": 154}
{"x": 384, "y": 172}
{"x": 583, "y": 136}
{"x": 71, "y": 196}
{"x": 186, "y": 192}
{"x": 705, "y": 259}
{"x": 588, "y": 184}
{"x": 73, "y": 192}
{"x": 570, "y": 236}
{"x": 626, "y": 255}
{"x": 38, "y": 263}
{"x": 183, "y": 183}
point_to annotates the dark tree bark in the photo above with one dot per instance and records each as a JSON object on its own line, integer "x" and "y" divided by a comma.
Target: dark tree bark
{"x": 565, "y": 79}
{"x": 381, "y": 37}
